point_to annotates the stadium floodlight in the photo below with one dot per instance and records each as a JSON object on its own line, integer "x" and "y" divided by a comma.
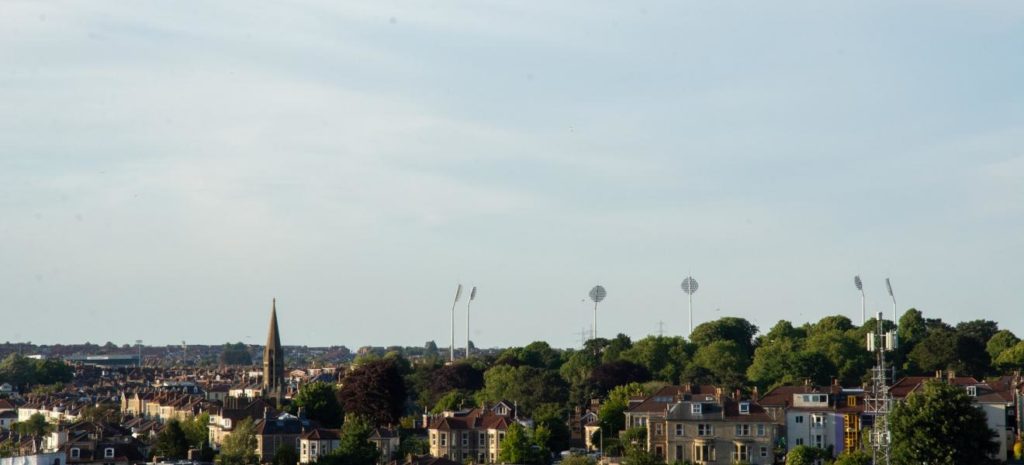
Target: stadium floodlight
{"x": 472, "y": 296}
{"x": 888, "y": 286}
{"x": 860, "y": 287}
{"x": 689, "y": 286}
{"x": 458, "y": 294}
{"x": 597, "y": 294}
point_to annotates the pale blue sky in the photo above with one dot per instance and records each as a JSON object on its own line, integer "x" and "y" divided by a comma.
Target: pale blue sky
{"x": 168, "y": 167}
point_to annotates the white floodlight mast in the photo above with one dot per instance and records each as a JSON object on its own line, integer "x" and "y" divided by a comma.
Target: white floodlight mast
{"x": 860, "y": 287}
{"x": 888, "y": 286}
{"x": 689, "y": 287}
{"x": 451, "y": 349}
{"x": 597, "y": 294}
{"x": 472, "y": 295}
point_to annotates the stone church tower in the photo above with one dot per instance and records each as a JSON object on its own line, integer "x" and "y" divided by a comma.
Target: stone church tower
{"x": 273, "y": 360}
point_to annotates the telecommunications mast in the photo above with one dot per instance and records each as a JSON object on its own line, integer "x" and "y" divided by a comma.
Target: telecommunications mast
{"x": 879, "y": 402}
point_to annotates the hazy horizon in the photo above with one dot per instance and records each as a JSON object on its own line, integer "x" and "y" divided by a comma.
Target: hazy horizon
{"x": 166, "y": 169}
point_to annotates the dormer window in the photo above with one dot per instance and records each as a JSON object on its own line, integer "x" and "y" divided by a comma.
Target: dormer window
{"x": 76, "y": 453}
{"x": 744, "y": 408}
{"x": 695, "y": 408}
{"x": 972, "y": 391}
{"x": 108, "y": 453}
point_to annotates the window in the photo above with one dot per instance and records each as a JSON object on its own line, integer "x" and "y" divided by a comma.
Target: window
{"x": 444, "y": 439}
{"x": 799, "y": 419}
{"x": 799, "y": 441}
{"x": 741, "y": 454}
{"x": 695, "y": 408}
{"x": 76, "y": 453}
{"x": 465, "y": 438}
{"x": 108, "y": 453}
{"x": 744, "y": 408}
{"x": 704, "y": 429}
{"x": 501, "y": 436}
{"x": 760, "y": 429}
{"x": 657, "y": 429}
{"x": 972, "y": 391}
{"x": 818, "y": 420}
{"x": 851, "y": 401}
{"x": 658, "y": 452}
{"x": 819, "y": 441}
{"x": 743, "y": 429}
{"x": 679, "y": 429}
{"x": 704, "y": 452}
{"x": 481, "y": 440}
{"x": 679, "y": 454}
{"x": 764, "y": 451}
{"x": 312, "y": 448}
{"x": 433, "y": 439}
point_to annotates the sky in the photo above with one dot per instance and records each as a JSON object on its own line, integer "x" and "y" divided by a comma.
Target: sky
{"x": 167, "y": 168}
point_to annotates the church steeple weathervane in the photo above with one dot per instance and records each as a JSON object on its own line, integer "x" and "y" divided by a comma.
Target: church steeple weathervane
{"x": 273, "y": 359}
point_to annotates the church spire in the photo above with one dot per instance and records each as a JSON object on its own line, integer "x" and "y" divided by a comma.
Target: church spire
{"x": 273, "y": 358}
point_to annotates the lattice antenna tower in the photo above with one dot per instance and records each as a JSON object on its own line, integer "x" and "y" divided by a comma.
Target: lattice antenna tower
{"x": 879, "y": 401}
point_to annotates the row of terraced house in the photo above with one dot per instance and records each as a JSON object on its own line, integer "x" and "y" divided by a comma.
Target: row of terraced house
{"x": 708, "y": 425}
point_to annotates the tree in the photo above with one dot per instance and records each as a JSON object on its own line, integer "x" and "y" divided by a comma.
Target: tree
{"x": 999, "y": 342}
{"x": 940, "y": 425}
{"x": 376, "y": 391}
{"x": 452, "y": 401}
{"x": 839, "y": 323}
{"x": 724, "y": 360}
{"x": 528, "y": 386}
{"x": 285, "y": 455}
{"x": 430, "y": 350}
{"x": 320, "y": 402}
{"x": 733, "y": 329}
{"x": 1012, "y": 358}
{"x": 980, "y": 330}
{"x": 171, "y": 443}
{"x": 857, "y": 457}
{"x": 354, "y": 446}
{"x": 847, "y": 354}
{"x": 608, "y": 375}
{"x": 805, "y": 455}
{"x": 523, "y": 446}
{"x": 784, "y": 330}
{"x": 612, "y": 349}
{"x": 783, "y": 361}
{"x": 197, "y": 430}
{"x": 663, "y": 357}
{"x": 553, "y": 418}
{"x": 239, "y": 447}
{"x": 35, "y": 425}
{"x": 579, "y": 460}
{"x": 937, "y": 351}
{"x": 612, "y": 413}
{"x": 235, "y": 354}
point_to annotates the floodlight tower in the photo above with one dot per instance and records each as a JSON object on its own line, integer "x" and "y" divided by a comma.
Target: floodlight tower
{"x": 879, "y": 402}
{"x": 597, "y": 294}
{"x": 451, "y": 348}
{"x": 689, "y": 286}
{"x": 860, "y": 287}
{"x": 888, "y": 286}
{"x": 472, "y": 295}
